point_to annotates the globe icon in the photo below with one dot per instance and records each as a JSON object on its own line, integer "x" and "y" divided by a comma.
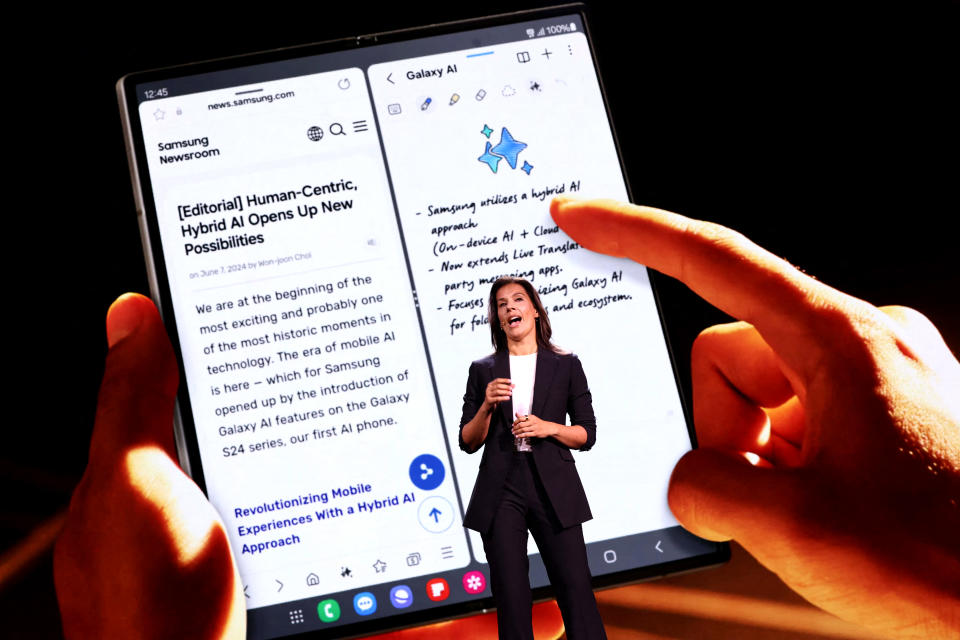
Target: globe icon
{"x": 315, "y": 133}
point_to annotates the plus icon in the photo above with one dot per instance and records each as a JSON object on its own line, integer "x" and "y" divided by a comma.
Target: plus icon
{"x": 547, "y": 54}
{"x": 524, "y": 233}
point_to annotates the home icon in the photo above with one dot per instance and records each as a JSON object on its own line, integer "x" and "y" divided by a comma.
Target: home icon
{"x": 313, "y": 580}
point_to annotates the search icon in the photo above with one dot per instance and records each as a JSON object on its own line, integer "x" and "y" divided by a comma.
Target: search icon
{"x": 336, "y": 129}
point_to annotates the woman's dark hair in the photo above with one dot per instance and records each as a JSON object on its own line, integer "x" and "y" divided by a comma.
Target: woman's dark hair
{"x": 497, "y": 335}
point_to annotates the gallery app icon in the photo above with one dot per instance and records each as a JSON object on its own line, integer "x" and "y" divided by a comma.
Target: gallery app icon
{"x": 328, "y": 610}
{"x": 474, "y": 582}
{"x": 438, "y": 589}
{"x": 401, "y": 596}
{"x": 364, "y": 603}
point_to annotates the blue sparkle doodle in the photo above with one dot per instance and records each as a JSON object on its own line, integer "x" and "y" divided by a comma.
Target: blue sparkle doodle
{"x": 508, "y": 148}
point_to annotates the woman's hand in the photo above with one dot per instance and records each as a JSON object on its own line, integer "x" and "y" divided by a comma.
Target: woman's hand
{"x": 530, "y": 426}
{"x": 499, "y": 390}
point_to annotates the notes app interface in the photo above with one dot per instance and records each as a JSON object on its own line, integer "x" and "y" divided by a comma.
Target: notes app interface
{"x": 478, "y": 142}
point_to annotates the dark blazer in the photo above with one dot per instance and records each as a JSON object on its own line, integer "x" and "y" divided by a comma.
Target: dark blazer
{"x": 560, "y": 388}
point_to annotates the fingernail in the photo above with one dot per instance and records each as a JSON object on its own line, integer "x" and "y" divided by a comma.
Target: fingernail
{"x": 124, "y": 317}
{"x": 559, "y": 201}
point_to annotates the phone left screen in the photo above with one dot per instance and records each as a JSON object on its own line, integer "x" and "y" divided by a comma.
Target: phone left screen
{"x": 317, "y": 426}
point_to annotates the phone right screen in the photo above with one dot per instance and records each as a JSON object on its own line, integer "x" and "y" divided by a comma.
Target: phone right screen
{"x": 478, "y": 142}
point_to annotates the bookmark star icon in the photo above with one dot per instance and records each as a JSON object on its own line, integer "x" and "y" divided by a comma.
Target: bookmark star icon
{"x": 508, "y": 147}
{"x": 491, "y": 160}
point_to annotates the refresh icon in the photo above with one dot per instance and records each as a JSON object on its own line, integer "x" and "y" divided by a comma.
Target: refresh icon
{"x": 344, "y": 83}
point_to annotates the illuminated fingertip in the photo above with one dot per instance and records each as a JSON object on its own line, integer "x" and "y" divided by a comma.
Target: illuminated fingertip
{"x": 751, "y": 457}
{"x": 559, "y": 202}
{"x": 764, "y": 437}
{"x": 124, "y": 317}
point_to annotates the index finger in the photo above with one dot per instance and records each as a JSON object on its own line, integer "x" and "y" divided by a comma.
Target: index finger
{"x": 719, "y": 264}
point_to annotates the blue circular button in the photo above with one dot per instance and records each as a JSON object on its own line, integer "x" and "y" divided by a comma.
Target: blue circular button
{"x": 426, "y": 472}
{"x": 365, "y": 603}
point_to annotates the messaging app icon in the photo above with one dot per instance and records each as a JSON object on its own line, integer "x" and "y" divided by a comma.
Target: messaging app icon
{"x": 508, "y": 148}
{"x": 328, "y": 610}
{"x": 364, "y": 603}
{"x": 401, "y": 596}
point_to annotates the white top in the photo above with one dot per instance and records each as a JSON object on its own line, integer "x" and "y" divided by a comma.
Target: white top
{"x": 523, "y": 373}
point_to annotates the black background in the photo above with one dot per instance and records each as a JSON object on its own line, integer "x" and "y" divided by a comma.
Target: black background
{"x": 825, "y": 132}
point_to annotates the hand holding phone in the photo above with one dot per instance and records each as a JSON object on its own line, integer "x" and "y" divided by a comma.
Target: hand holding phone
{"x": 141, "y": 541}
{"x": 320, "y": 228}
{"x": 138, "y": 390}
{"x": 142, "y": 551}
{"x": 815, "y": 467}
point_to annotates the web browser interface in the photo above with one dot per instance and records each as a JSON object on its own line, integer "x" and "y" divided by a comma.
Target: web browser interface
{"x": 329, "y": 227}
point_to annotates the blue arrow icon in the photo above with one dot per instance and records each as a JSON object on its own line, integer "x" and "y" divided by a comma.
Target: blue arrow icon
{"x": 435, "y": 514}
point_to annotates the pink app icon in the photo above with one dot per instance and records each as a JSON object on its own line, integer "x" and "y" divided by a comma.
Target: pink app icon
{"x": 474, "y": 582}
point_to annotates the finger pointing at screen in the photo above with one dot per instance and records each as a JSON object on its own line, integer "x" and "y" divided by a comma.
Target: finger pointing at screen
{"x": 849, "y": 414}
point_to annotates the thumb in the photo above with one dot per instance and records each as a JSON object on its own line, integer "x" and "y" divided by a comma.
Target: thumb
{"x": 135, "y": 406}
{"x": 719, "y": 495}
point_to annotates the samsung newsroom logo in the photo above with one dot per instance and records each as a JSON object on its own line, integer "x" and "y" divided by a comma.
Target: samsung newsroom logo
{"x": 201, "y": 146}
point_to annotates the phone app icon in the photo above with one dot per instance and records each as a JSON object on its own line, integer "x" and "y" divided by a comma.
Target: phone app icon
{"x": 438, "y": 589}
{"x": 364, "y": 603}
{"x": 474, "y": 582}
{"x": 328, "y": 610}
{"x": 401, "y": 596}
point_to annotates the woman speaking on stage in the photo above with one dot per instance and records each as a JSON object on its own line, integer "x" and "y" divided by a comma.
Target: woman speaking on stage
{"x": 515, "y": 408}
